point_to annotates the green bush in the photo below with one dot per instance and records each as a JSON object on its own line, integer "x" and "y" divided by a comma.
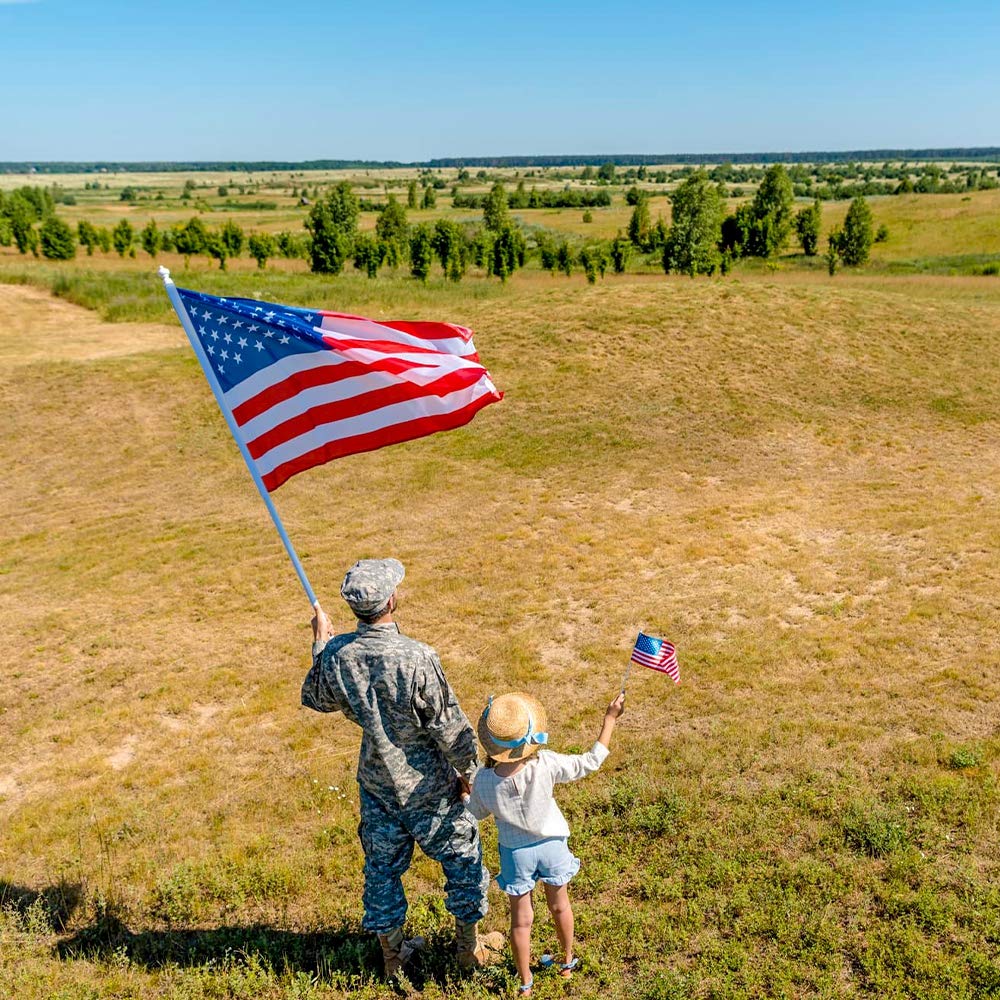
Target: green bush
{"x": 872, "y": 830}
{"x": 56, "y": 239}
{"x": 962, "y": 757}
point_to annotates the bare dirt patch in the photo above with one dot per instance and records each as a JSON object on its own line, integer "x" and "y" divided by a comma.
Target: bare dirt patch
{"x": 35, "y": 326}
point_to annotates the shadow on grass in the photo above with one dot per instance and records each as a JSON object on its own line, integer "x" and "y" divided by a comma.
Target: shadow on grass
{"x": 57, "y": 902}
{"x": 344, "y": 952}
{"x": 344, "y": 949}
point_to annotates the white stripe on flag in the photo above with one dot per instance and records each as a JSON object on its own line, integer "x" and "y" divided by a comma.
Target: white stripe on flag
{"x": 278, "y": 372}
{"x": 366, "y": 329}
{"x": 386, "y": 416}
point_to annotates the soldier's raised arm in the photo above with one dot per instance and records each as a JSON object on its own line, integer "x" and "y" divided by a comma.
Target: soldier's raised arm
{"x": 317, "y": 691}
{"x": 437, "y": 708}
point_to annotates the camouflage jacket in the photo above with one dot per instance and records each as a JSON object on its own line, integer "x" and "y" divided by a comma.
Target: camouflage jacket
{"x": 415, "y": 735}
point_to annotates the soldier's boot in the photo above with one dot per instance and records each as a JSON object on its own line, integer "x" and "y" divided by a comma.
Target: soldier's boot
{"x": 397, "y": 952}
{"x": 476, "y": 950}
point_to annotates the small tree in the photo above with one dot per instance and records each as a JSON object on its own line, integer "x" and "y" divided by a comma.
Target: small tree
{"x": 807, "y": 227}
{"x": 22, "y": 216}
{"x": 564, "y": 258}
{"x": 411, "y": 195}
{"x": 333, "y": 224}
{"x": 262, "y": 246}
{"x": 104, "y": 238}
{"x": 232, "y": 236}
{"x": 761, "y": 227}
{"x": 190, "y": 239}
{"x": 621, "y": 250}
{"x": 290, "y": 246}
{"x": 882, "y": 233}
{"x": 150, "y": 238}
{"x": 548, "y": 252}
{"x": 496, "y": 214}
{"x": 833, "y": 242}
{"x": 509, "y": 248}
{"x": 392, "y": 232}
{"x": 86, "y": 233}
{"x": 430, "y": 198}
{"x": 692, "y": 245}
{"x": 56, "y": 239}
{"x": 368, "y": 254}
{"x": 482, "y": 251}
{"x": 855, "y": 242}
{"x": 594, "y": 261}
{"x": 640, "y": 224}
{"x": 421, "y": 251}
{"x": 449, "y": 246}
{"x": 215, "y": 246}
{"x": 606, "y": 172}
{"x": 123, "y": 236}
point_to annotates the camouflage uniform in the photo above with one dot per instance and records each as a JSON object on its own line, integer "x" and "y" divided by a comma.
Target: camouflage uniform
{"x": 415, "y": 738}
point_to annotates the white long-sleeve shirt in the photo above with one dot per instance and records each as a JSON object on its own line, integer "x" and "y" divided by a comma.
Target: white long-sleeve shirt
{"x": 522, "y": 803}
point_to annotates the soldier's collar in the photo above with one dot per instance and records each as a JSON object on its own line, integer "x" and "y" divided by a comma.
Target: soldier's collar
{"x": 381, "y": 627}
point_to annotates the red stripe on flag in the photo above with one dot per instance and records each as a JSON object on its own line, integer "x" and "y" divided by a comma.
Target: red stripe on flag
{"x": 309, "y": 378}
{"x": 425, "y": 330}
{"x": 394, "y": 347}
{"x": 372, "y": 440}
{"x": 429, "y": 331}
{"x": 374, "y": 399}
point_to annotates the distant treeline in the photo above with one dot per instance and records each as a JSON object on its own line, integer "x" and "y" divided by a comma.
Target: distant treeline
{"x": 568, "y": 198}
{"x": 582, "y": 159}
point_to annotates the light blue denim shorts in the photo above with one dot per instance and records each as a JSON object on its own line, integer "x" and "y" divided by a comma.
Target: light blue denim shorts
{"x": 549, "y": 861}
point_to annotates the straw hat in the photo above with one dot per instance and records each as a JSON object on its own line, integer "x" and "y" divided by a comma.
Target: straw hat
{"x": 512, "y": 726}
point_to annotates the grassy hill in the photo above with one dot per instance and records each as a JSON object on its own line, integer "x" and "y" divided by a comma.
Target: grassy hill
{"x": 794, "y": 479}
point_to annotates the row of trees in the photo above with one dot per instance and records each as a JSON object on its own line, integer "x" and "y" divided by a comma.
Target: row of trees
{"x": 702, "y": 238}
{"x": 56, "y": 240}
{"x": 519, "y": 198}
{"x": 497, "y": 246}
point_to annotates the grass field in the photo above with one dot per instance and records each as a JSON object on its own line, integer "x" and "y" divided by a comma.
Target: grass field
{"x": 794, "y": 478}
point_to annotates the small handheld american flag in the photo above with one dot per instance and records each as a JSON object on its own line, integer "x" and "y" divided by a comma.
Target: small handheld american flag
{"x": 657, "y": 654}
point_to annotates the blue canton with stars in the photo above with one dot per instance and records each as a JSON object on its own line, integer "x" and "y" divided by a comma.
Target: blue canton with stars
{"x": 242, "y": 336}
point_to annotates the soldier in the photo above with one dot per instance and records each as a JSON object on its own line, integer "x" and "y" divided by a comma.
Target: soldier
{"x": 418, "y": 755}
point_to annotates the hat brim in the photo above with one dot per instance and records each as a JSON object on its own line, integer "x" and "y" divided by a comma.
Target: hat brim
{"x": 504, "y": 754}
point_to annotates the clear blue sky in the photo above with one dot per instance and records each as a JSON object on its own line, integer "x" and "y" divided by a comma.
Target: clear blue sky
{"x": 385, "y": 80}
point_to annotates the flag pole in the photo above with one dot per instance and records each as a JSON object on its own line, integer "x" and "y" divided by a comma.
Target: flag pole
{"x": 625, "y": 678}
{"x": 182, "y": 315}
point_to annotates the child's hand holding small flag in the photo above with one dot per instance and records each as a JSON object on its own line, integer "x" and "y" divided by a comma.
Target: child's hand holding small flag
{"x": 657, "y": 654}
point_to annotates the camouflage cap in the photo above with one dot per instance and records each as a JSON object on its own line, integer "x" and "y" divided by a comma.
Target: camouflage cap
{"x": 369, "y": 584}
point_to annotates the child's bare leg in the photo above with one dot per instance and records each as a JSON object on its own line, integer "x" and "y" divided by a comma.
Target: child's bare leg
{"x": 521, "y": 916}
{"x": 557, "y": 896}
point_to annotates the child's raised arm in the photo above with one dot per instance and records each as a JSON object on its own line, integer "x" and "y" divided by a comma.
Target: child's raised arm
{"x": 610, "y": 718}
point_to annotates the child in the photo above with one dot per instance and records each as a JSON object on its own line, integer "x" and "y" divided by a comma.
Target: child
{"x": 517, "y": 791}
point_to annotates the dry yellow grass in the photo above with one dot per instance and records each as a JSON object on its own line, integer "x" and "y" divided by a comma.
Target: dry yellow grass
{"x": 795, "y": 480}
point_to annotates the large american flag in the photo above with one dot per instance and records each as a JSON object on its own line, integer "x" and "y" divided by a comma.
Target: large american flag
{"x": 657, "y": 654}
{"x": 307, "y": 386}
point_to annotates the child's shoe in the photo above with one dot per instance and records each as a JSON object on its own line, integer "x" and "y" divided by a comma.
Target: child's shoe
{"x": 566, "y": 969}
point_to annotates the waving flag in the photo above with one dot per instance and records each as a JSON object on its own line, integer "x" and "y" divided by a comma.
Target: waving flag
{"x": 307, "y": 386}
{"x": 657, "y": 654}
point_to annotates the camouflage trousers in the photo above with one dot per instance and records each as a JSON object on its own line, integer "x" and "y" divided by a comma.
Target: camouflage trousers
{"x": 446, "y": 833}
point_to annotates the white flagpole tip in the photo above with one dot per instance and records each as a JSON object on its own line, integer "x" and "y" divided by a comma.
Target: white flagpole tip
{"x": 164, "y": 273}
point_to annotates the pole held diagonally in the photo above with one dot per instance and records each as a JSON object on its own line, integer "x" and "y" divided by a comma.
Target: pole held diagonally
{"x": 182, "y": 315}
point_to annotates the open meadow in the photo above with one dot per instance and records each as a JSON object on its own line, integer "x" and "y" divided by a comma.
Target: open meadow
{"x": 795, "y": 478}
